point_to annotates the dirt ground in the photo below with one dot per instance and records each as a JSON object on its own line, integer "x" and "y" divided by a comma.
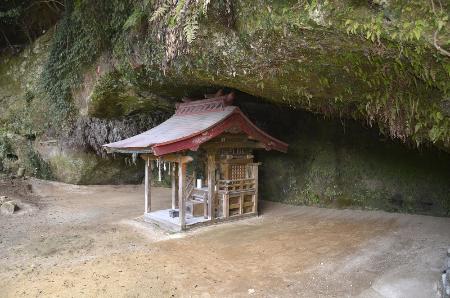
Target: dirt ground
{"x": 89, "y": 241}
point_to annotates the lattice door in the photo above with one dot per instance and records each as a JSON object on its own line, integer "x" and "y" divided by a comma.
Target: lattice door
{"x": 238, "y": 171}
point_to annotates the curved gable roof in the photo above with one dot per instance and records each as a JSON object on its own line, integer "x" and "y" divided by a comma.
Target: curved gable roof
{"x": 193, "y": 124}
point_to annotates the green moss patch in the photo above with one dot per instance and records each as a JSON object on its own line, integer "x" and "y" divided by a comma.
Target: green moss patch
{"x": 87, "y": 168}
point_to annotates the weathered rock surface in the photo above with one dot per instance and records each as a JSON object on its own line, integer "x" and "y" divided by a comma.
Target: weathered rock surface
{"x": 28, "y": 137}
{"x": 20, "y": 172}
{"x": 445, "y": 282}
{"x": 8, "y": 208}
{"x": 3, "y": 199}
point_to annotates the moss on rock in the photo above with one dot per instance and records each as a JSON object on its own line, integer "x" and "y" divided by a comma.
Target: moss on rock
{"x": 370, "y": 61}
{"x": 113, "y": 98}
{"x": 88, "y": 168}
{"x": 341, "y": 164}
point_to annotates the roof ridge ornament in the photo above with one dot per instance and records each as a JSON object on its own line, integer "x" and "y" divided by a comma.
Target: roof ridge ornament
{"x": 217, "y": 94}
{"x": 205, "y": 105}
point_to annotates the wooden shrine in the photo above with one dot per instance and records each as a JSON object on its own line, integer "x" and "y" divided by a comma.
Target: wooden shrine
{"x": 225, "y": 140}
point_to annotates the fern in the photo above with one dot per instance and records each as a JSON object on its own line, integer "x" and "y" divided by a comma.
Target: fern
{"x": 160, "y": 12}
{"x": 205, "y": 6}
{"x": 179, "y": 20}
{"x": 179, "y": 10}
{"x": 134, "y": 19}
{"x": 190, "y": 29}
{"x": 145, "y": 3}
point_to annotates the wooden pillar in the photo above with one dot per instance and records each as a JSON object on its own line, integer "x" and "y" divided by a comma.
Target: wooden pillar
{"x": 174, "y": 186}
{"x": 148, "y": 182}
{"x": 255, "y": 176}
{"x": 226, "y": 205}
{"x": 241, "y": 204}
{"x": 211, "y": 156}
{"x": 181, "y": 199}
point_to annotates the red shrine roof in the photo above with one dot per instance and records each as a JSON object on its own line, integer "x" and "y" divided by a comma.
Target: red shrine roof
{"x": 193, "y": 124}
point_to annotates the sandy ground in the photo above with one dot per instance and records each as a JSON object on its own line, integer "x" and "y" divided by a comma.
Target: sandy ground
{"x": 85, "y": 241}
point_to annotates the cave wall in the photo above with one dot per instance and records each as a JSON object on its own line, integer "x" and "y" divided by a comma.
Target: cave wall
{"x": 341, "y": 163}
{"x": 33, "y": 139}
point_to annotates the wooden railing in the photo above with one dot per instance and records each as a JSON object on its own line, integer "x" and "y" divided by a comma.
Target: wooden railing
{"x": 236, "y": 186}
{"x": 238, "y": 196}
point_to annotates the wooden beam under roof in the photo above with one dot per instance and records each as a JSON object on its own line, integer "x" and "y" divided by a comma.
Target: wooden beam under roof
{"x": 169, "y": 157}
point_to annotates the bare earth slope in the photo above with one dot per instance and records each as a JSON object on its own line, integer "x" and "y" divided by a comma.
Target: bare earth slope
{"x": 83, "y": 240}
